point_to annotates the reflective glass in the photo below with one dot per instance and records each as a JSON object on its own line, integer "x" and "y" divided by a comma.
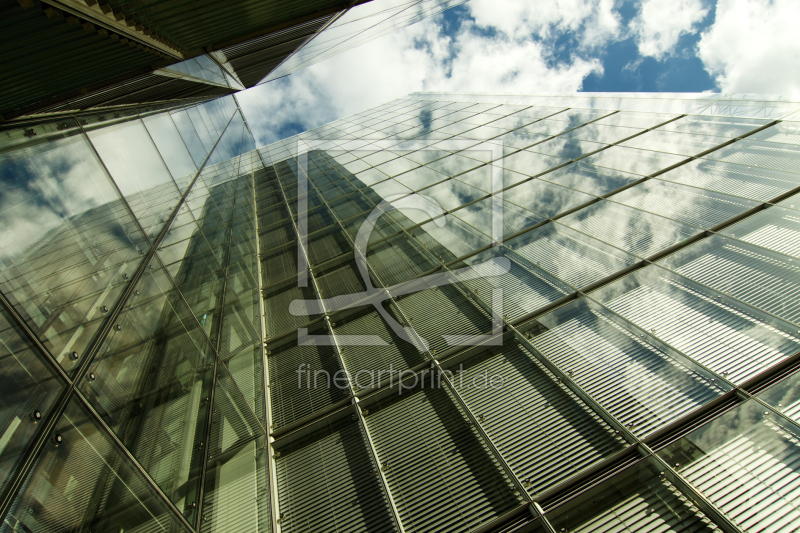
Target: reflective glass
{"x": 150, "y": 381}
{"x": 545, "y": 198}
{"x": 139, "y": 171}
{"x": 545, "y": 432}
{"x": 424, "y": 432}
{"x": 452, "y": 194}
{"x": 86, "y": 483}
{"x": 68, "y": 243}
{"x": 719, "y": 126}
{"x": 30, "y": 389}
{"x": 642, "y": 162}
{"x": 732, "y": 339}
{"x": 689, "y": 144}
{"x": 328, "y": 482}
{"x": 774, "y": 156}
{"x": 589, "y": 179}
{"x": 601, "y": 133}
{"x": 570, "y": 256}
{"x": 304, "y": 379}
{"x": 641, "y": 382}
{"x": 745, "y": 462}
{"x": 172, "y": 148}
{"x": 637, "y": 499}
{"x": 776, "y": 228}
{"x": 236, "y": 496}
{"x": 759, "y": 277}
{"x": 739, "y": 180}
{"x": 696, "y": 207}
{"x": 637, "y": 232}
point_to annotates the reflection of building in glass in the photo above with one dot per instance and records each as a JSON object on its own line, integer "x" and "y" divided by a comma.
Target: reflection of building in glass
{"x": 109, "y": 55}
{"x": 189, "y": 342}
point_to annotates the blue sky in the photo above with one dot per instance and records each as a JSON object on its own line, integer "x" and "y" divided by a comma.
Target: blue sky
{"x": 536, "y": 46}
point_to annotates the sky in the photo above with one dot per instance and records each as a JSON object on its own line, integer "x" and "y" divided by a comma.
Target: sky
{"x": 540, "y": 46}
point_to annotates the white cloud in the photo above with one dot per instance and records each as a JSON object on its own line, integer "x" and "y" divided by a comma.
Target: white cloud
{"x": 659, "y": 25}
{"x": 594, "y": 20}
{"x": 753, "y": 46}
{"x": 421, "y": 58}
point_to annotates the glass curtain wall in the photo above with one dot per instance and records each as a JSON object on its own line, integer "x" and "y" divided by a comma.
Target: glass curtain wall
{"x": 132, "y": 376}
{"x": 446, "y": 313}
{"x": 573, "y": 313}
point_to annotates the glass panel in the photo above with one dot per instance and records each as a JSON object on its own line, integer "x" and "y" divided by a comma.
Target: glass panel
{"x": 236, "y": 496}
{"x": 544, "y": 198}
{"x": 444, "y": 317}
{"x": 30, "y": 389}
{"x": 172, "y": 148}
{"x": 377, "y": 360}
{"x": 85, "y": 483}
{"x": 776, "y": 228}
{"x": 529, "y": 163}
{"x": 746, "y": 463}
{"x": 642, "y": 384}
{"x": 448, "y": 238}
{"x": 674, "y": 143}
{"x": 782, "y": 132}
{"x": 728, "y": 337}
{"x": 721, "y": 126}
{"x": 482, "y": 215}
{"x": 304, "y": 379}
{"x": 775, "y": 156}
{"x": 635, "y": 120}
{"x": 784, "y": 396}
{"x": 637, "y": 499}
{"x": 759, "y": 277}
{"x": 190, "y": 137}
{"x": 589, "y": 179}
{"x": 420, "y": 178}
{"x": 570, "y": 256}
{"x": 423, "y": 432}
{"x": 601, "y": 133}
{"x": 150, "y": 382}
{"x": 68, "y": 243}
{"x": 328, "y": 482}
{"x": 748, "y": 182}
{"x": 452, "y": 194}
{"x": 696, "y": 207}
{"x": 233, "y": 424}
{"x": 635, "y": 161}
{"x": 543, "y": 430}
{"x": 640, "y": 233}
{"x": 567, "y": 148}
{"x": 139, "y": 171}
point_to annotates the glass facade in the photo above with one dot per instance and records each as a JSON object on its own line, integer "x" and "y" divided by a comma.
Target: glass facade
{"x": 446, "y": 313}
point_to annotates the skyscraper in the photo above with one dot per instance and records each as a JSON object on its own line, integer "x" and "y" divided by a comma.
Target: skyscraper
{"x": 446, "y": 313}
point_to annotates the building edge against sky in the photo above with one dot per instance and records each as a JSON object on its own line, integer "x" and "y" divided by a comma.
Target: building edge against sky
{"x": 636, "y": 363}
{"x": 110, "y": 55}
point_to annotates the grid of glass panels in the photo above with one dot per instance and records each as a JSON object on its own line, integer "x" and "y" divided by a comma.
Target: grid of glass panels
{"x": 636, "y": 357}
{"x": 201, "y": 336}
{"x": 132, "y": 365}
